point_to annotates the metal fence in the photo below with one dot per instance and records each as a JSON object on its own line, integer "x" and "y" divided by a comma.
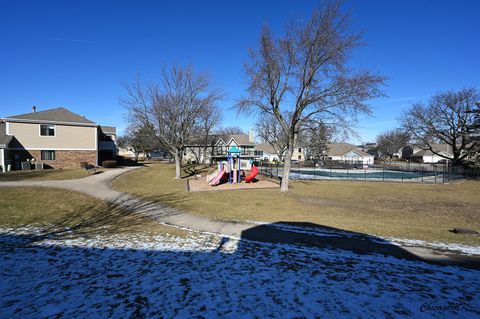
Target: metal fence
{"x": 389, "y": 171}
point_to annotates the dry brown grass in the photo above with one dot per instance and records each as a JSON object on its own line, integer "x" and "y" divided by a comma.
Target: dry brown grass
{"x": 46, "y": 174}
{"x": 403, "y": 210}
{"x": 56, "y": 209}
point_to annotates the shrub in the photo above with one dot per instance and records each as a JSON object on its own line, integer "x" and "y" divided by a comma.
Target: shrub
{"x": 83, "y": 164}
{"x": 109, "y": 164}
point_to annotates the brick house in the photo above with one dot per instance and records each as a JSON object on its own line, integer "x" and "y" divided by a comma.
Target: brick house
{"x": 56, "y": 137}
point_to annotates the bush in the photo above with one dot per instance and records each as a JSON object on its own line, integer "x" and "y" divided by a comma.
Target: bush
{"x": 109, "y": 164}
{"x": 83, "y": 164}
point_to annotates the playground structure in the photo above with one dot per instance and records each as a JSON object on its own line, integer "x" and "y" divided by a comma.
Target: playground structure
{"x": 231, "y": 167}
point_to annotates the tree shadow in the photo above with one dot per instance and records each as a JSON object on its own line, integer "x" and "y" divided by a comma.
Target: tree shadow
{"x": 209, "y": 280}
{"x": 110, "y": 217}
{"x": 313, "y": 235}
{"x": 74, "y": 266}
{"x": 193, "y": 170}
{"x": 325, "y": 237}
{"x": 128, "y": 212}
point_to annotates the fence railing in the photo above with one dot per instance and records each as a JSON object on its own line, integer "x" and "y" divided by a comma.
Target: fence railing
{"x": 403, "y": 172}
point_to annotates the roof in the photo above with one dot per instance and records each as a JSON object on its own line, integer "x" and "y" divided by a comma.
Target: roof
{"x": 439, "y": 148}
{"x": 108, "y": 129}
{"x": 4, "y": 138}
{"x": 241, "y": 139}
{"x": 266, "y": 148}
{"x": 58, "y": 115}
{"x": 340, "y": 149}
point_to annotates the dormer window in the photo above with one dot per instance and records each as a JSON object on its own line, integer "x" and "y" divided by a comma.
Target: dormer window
{"x": 47, "y": 130}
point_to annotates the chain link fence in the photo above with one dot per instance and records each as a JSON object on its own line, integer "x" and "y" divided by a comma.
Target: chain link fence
{"x": 388, "y": 171}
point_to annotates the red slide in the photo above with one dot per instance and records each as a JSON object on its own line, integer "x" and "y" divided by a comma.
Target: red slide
{"x": 253, "y": 173}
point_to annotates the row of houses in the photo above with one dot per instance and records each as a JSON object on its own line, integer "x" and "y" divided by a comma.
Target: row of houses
{"x": 415, "y": 153}
{"x": 55, "y": 138}
{"x": 60, "y": 138}
{"x": 249, "y": 150}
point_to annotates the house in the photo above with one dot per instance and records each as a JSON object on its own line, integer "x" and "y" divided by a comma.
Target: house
{"x": 427, "y": 156}
{"x": 57, "y": 138}
{"x": 245, "y": 143}
{"x": 419, "y": 154}
{"x": 217, "y": 146}
{"x": 128, "y": 152}
{"x": 107, "y": 143}
{"x": 348, "y": 153}
{"x": 298, "y": 153}
{"x": 265, "y": 152}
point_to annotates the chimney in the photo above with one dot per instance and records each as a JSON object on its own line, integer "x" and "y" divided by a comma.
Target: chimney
{"x": 251, "y": 136}
{"x": 34, "y": 109}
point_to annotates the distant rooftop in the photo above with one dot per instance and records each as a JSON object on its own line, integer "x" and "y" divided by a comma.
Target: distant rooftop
{"x": 340, "y": 149}
{"x": 108, "y": 129}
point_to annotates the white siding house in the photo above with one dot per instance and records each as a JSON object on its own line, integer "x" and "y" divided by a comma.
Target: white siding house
{"x": 348, "y": 153}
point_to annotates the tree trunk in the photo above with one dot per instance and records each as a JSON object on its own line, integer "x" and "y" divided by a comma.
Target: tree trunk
{"x": 204, "y": 155}
{"x": 178, "y": 164}
{"x": 287, "y": 163}
{"x": 136, "y": 156}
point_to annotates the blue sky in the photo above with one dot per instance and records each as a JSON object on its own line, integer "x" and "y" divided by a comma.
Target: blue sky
{"x": 78, "y": 54}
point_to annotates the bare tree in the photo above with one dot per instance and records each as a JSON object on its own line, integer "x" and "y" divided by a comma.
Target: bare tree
{"x": 172, "y": 108}
{"x": 271, "y": 132}
{"x": 303, "y": 76}
{"x": 446, "y": 118}
{"x": 210, "y": 118}
{"x": 390, "y": 142}
{"x": 138, "y": 140}
{"x": 475, "y": 136}
{"x": 230, "y": 130}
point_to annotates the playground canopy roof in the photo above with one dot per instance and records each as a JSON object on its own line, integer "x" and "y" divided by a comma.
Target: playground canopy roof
{"x": 233, "y": 149}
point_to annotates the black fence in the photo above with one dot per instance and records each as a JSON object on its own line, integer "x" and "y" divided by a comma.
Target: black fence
{"x": 388, "y": 171}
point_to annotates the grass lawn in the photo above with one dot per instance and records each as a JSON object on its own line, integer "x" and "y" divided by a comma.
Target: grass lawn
{"x": 402, "y": 210}
{"x": 46, "y": 174}
{"x": 54, "y": 210}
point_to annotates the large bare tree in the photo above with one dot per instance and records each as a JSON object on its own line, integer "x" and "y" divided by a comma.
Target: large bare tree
{"x": 304, "y": 76}
{"x": 172, "y": 107}
{"x": 447, "y": 118}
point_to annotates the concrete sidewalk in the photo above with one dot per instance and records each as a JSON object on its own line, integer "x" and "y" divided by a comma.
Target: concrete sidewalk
{"x": 98, "y": 186}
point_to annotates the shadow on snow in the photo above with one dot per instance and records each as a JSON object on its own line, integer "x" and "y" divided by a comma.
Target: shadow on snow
{"x": 304, "y": 270}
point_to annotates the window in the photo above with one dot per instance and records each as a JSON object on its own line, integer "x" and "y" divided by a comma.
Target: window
{"x": 47, "y": 130}
{"x": 48, "y": 155}
{"x": 299, "y": 157}
{"x": 220, "y": 150}
{"x": 299, "y": 149}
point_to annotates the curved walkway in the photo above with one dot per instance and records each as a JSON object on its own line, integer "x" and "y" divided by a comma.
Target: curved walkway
{"x": 98, "y": 186}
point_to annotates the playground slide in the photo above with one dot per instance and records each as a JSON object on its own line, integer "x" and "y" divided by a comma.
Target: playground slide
{"x": 211, "y": 176}
{"x": 253, "y": 173}
{"x": 218, "y": 177}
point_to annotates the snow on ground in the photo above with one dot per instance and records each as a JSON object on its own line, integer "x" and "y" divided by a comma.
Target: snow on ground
{"x": 213, "y": 277}
{"x": 326, "y": 232}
